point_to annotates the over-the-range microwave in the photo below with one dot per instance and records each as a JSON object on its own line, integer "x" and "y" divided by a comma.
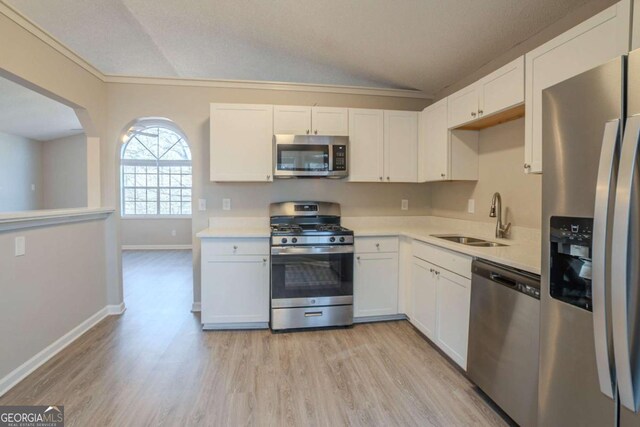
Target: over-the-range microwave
{"x": 310, "y": 156}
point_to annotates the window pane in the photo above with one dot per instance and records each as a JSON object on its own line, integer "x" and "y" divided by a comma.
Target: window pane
{"x": 136, "y": 150}
{"x": 129, "y": 169}
{"x": 141, "y": 180}
{"x": 186, "y": 208}
{"x": 176, "y": 208}
{"x": 186, "y": 195}
{"x": 165, "y": 208}
{"x": 152, "y": 208}
{"x": 141, "y": 208}
{"x": 175, "y": 195}
{"x": 152, "y": 180}
{"x": 129, "y": 180}
{"x": 165, "y": 195}
{"x": 186, "y": 181}
{"x": 152, "y": 195}
{"x": 129, "y": 208}
{"x": 141, "y": 195}
{"x": 175, "y": 180}
{"x": 165, "y": 180}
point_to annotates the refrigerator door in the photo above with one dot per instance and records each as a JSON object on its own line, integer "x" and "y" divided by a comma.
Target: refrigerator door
{"x": 575, "y": 114}
{"x": 626, "y": 257}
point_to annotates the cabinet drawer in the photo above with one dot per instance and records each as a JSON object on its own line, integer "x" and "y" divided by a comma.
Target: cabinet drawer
{"x": 452, "y": 261}
{"x": 213, "y": 247}
{"x": 365, "y": 245}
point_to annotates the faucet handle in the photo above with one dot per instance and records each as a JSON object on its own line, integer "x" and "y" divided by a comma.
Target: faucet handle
{"x": 506, "y": 230}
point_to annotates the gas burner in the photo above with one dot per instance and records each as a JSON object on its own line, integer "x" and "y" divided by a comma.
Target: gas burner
{"x": 329, "y": 228}
{"x": 286, "y": 228}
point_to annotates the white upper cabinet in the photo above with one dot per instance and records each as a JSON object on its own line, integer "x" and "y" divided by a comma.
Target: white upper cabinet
{"x": 499, "y": 91}
{"x": 433, "y": 146}
{"x": 464, "y": 106}
{"x": 330, "y": 121}
{"x": 445, "y": 154}
{"x": 366, "y": 145}
{"x": 587, "y": 45}
{"x": 235, "y": 131}
{"x": 291, "y": 120}
{"x": 401, "y": 146}
{"x": 502, "y": 89}
{"x": 301, "y": 120}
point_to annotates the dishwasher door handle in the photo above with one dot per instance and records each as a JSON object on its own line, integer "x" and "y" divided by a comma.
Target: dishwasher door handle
{"x": 502, "y": 280}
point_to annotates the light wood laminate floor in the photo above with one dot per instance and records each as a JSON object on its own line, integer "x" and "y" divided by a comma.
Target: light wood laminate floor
{"x": 154, "y": 366}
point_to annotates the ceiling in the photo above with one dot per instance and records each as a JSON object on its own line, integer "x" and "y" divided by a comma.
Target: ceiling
{"x": 412, "y": 44}
{"x": 26, "y": 113}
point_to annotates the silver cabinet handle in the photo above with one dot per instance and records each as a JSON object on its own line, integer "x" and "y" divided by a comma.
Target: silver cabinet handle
{"x": 431, "y": 270}
{"x": 622, "y": 276}
{"x": 307, "y": 131}
{"x": 473, "y": 114}
{"x": 437, "y": 273}
{"x": 235, "y": 247}
{"x": 378, "y": 245}
{"x": 480, "y": 112}
{"x": 315, "y": 132}
{"x": 443, "y": 175}
{"x": 312, "y": 314}
{"x": 358, "y": 257}
{"x": 606, "y": 180}
{"x": 264, "y": 260}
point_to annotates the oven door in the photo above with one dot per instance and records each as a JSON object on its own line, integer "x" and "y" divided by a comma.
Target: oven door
{"x": 301, "y": 160}
{"x": 311, "y": 276}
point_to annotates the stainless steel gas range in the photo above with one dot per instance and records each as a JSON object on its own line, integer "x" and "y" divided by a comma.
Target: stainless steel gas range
{"x": 311, "y": 266}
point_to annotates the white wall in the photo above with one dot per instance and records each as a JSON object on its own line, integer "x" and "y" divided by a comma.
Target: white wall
{"x": 20, "y": 167}
{"x": 64, "y": 169}
{"x": 155, "y": 232}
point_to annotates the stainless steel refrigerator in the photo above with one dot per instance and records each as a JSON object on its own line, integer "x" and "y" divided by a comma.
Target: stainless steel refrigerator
{"x": 590, "y": 303}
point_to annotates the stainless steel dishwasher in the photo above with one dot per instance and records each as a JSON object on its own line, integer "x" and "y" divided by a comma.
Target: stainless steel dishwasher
{"x": 504, "y": 329}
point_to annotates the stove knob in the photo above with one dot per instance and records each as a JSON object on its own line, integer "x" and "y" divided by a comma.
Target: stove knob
{"x": 284, "y": 240}
{"x": 294, "y": 240}
{"x": 332, "y": 239}
{"x": 342, "y": 240}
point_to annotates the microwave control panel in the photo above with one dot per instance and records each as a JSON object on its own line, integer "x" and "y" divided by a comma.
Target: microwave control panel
{"x": 339, "y": 158}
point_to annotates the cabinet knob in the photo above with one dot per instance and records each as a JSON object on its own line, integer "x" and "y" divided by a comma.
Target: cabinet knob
{"x": 437, "y": 273}
{"x": 431, "y": 270}
{"x": 235, "y": 248}
{"x": 480, "y": 112}
{"x": 315, "y": 132}
{"x": 443, "y": 175}
{"x": 473, "y": 114}
{"x": 380, "y": 178}
{"x": 527, "y": 166}
{"x": 307, "y": 131}
{"x": 268, "y": 176}
{"x": 388, "y": 179}
{"x": 264, "y": 260}
{"x": 378, "y": 245}
{"x": 358, "y": 257}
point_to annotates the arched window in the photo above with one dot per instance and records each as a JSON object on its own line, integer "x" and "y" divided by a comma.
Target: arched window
{"x": 155, "y": 171}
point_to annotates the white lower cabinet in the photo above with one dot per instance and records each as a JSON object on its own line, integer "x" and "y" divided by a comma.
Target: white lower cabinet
{"x": 235, "y": 287}
{"x": 442, "y": 298}
{"x": 375, "y": 278}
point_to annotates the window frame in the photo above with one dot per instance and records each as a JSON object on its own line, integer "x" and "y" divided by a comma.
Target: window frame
{"x": 129, "y": 136}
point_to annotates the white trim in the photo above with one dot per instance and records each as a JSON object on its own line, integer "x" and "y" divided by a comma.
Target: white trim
{"x": 155, "y": 247}
{"x": 234, "y": 326}
{"x": 129, "y": 216}
{"x": 383, "y": 318}
{"x": 17, "y": 17}
{"x": 116, "y": 309}
{"x": 22, "y": 371}
{"x": 29, "y": 219}
{"x": 196, "y": 307}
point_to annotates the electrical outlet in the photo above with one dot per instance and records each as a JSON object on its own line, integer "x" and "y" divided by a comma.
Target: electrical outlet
{"x": 173, "y": 233}
{"x": 202, "y": 204}
{"x": 404, "y": 205}
{"x": 20, "y": 246}
{"x": 226, "y": 204}
{"x": 471, "y": 206}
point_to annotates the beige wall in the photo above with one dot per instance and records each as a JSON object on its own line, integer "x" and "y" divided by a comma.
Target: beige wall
{"x": 56, "y": 285}
{"x": 20, "y": 167}
{"x": 64, "y": 170}
{"x": 155, "y": 232}
{"x": 501, "y": 154}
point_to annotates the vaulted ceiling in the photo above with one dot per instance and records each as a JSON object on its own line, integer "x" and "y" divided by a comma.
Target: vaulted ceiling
{"x": 415, "y": 44}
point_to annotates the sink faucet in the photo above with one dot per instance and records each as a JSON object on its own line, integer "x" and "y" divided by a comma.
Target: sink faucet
{"x": 502, "y": 230}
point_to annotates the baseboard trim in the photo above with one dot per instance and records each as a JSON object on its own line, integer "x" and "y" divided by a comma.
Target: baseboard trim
{"x": 116, "y": 309}
{"x": 196, "y": 307}
{"x": 385, "y": 318}
{"x": 22, "y": 371}
{"x": 234, "y": 326}
{"x": 156, "y": 247}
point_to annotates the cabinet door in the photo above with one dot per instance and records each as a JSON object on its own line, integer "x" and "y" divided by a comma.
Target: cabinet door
{"x": 291, "y": 120}
{"x": 235, "y": 289}
{"x": 433, "y": 148}
{"x": 241, "y": 142}
{"x": 463, "y": 106}
{"x": 330, "y": 121}
{"x": 589, "y": 44}
{"x": 454, "y": 304}
{"x": 502, "y": 89}
{"x": 375, "y": 286}
{"x": 424, "y": 293}
{"x": 366, "y": 145}
{"x": 401, "y": 146}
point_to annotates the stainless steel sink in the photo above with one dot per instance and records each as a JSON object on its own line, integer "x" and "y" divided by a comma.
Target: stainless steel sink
{"x": 469, "y": 241}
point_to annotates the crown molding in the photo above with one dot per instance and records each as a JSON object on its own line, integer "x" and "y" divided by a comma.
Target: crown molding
{"x": 50, "y": 40}
{"x": 266, "y": 85}
{"x": 47, "y": 38}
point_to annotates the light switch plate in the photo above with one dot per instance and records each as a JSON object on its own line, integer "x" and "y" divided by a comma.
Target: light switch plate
{"x": 471, "y": 206}
{"x": 202, "y": 204}
{"x": 226, "y": 204}
{"x": 404, "y": 205}
{"x": 20, "y": 246}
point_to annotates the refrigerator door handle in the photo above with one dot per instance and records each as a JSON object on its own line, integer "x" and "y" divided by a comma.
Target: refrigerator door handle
{"x": 622, "y": 269}
{"x": 607, "y": 171}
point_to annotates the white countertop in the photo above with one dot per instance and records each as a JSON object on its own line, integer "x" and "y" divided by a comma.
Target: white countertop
{"x": 522, "y": 251}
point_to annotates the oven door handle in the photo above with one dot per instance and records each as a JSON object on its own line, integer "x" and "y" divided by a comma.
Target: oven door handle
{"x": 311, "y": 250}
